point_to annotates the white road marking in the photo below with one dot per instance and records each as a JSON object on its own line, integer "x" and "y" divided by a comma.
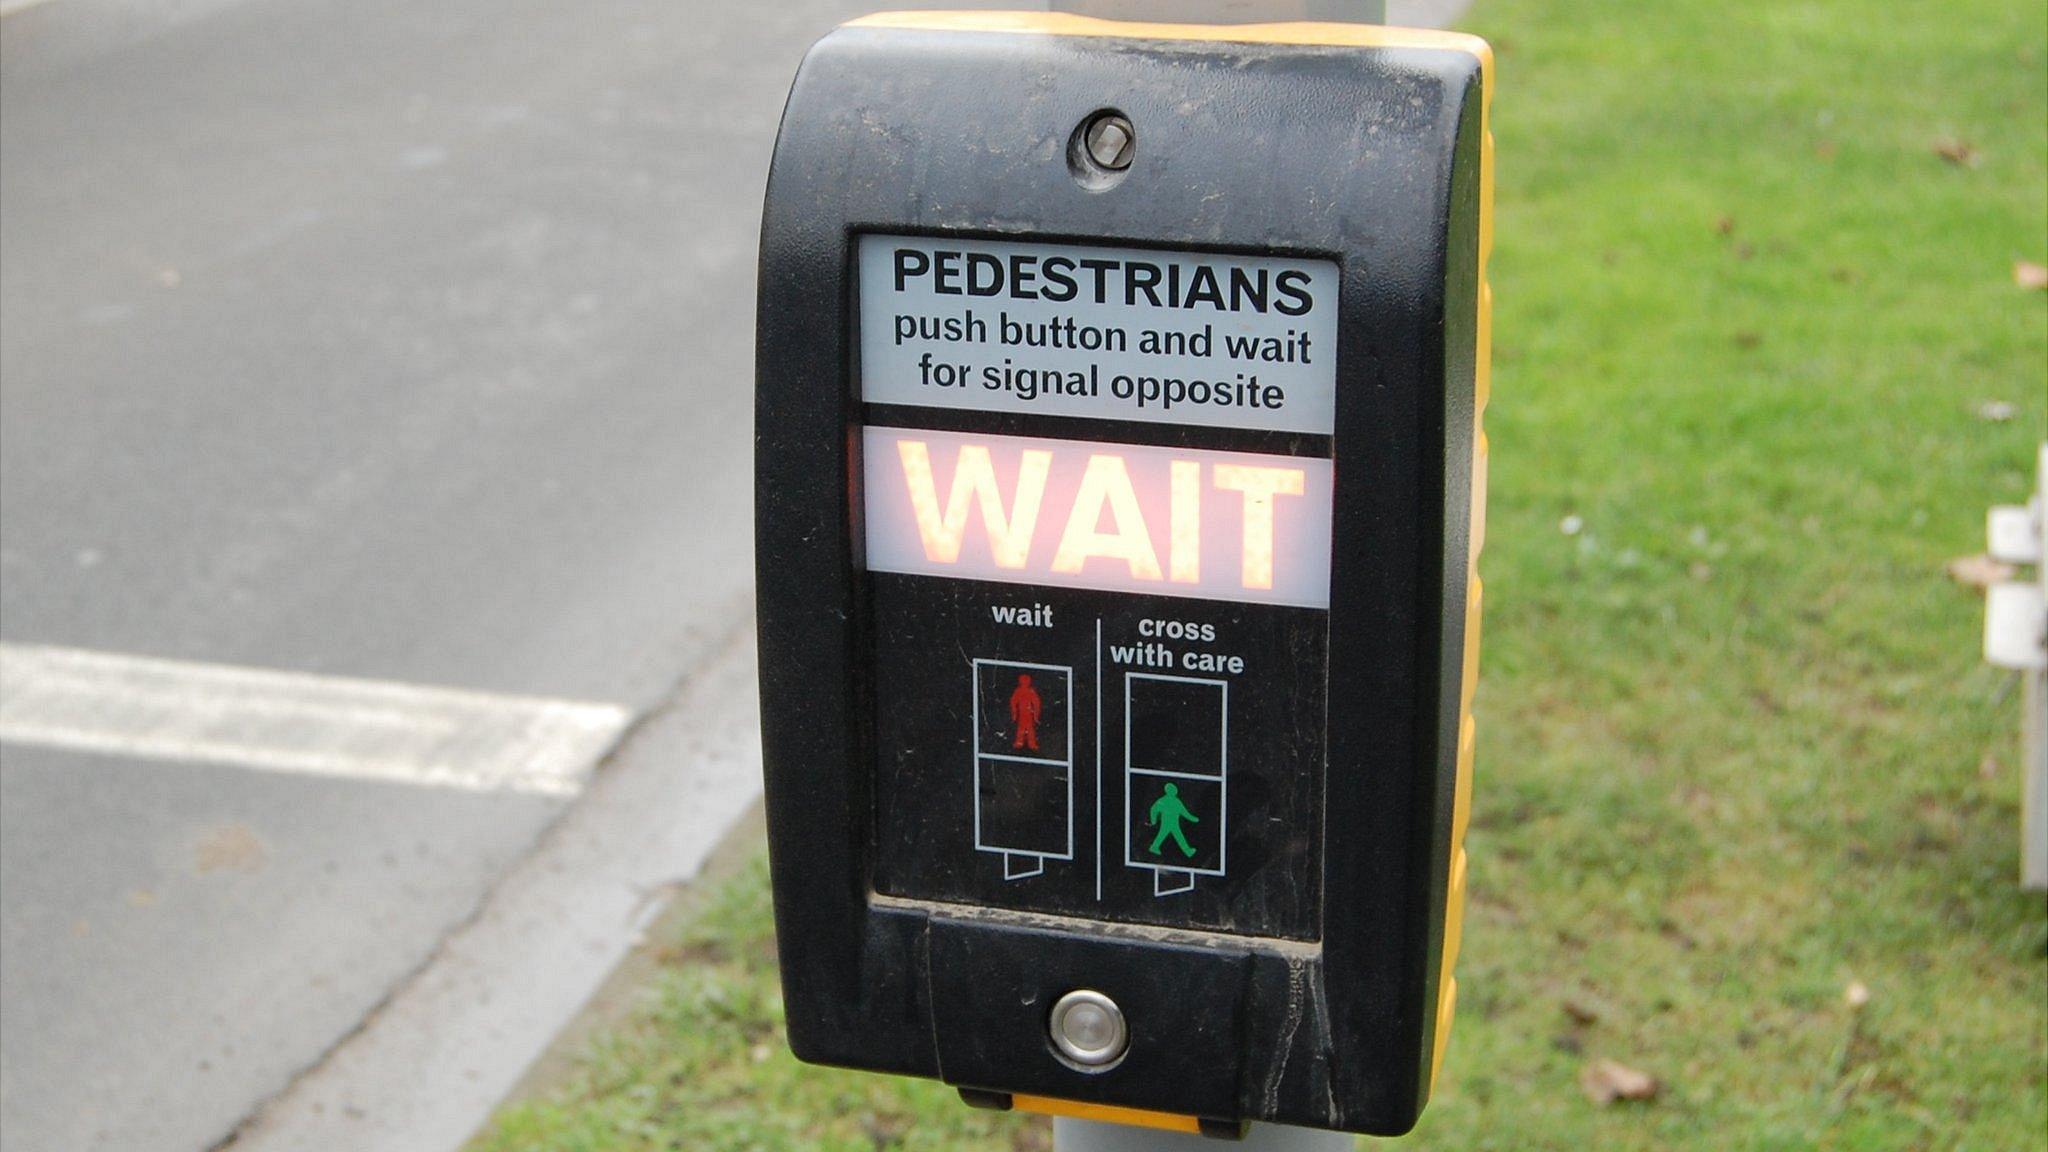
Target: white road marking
{"x": 295, "y": 722}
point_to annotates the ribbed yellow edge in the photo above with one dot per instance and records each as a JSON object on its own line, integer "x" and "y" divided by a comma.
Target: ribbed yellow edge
{"x": 1106, "y": 1114}
{"x": 1461, "y": 805}
{"x": 1475, "y": 591}
{"x": 1479, "y": 470}
{"x": 1482, "y": 367}
{"x": 1446, "y": 1008}
{"x": 1454, "y": 898}
{"x": 1454, "y": 911}
{"x": 1482, "y": 391}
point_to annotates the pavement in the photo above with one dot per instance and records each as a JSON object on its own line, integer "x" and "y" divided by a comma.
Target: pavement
{"x": 374, "y": 541}
{"x": 367, "y": 341}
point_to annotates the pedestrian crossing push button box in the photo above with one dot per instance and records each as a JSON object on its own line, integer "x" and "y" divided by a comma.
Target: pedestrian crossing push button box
{"x": 1119, "y": 396}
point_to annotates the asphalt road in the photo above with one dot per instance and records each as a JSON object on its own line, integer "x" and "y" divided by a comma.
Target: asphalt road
{"x": 369, "y": 338}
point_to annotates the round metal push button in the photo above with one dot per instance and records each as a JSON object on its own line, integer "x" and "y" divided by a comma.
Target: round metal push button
{"x": 1088, "y": 1028}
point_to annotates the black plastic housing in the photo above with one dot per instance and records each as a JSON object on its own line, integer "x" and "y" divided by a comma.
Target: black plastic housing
{"x": 1366, "y": 156}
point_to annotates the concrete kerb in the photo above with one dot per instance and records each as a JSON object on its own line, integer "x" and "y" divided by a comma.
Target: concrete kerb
{"x": 558, "y": 946}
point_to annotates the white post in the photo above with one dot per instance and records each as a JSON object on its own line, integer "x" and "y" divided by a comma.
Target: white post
{"x": 2034, "y": 810}
{"x": 2034, "y": 852}
{"x": 2034, "y": 804}
{"x": 2016, "y": 636}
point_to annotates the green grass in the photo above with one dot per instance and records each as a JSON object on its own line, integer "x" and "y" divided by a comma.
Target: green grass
{"x": 1737, "y": 748}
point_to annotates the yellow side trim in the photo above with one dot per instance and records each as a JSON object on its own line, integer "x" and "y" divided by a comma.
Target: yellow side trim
{"x": 1454, "y": 912}
{"x": 1482, "y": 392}
{"x": 1333, "y": 35}
{"x": 1486, "y": 177}
{"x": 1446, "y": 1009}
{"x": 1105, "y": 1113}
{"x": 1461, "y": 803}
{"x": 1479, "y": 469}
{"x": 1482, "y": 367}
{"x": 1475, "y": 592}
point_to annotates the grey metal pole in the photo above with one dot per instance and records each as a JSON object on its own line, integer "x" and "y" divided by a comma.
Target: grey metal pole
{"x": 1228, "y": 11}
{"x": 1070, "y": 1135}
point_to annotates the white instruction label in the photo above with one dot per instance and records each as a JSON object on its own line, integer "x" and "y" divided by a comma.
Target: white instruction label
{"x": 1200, "y": 338}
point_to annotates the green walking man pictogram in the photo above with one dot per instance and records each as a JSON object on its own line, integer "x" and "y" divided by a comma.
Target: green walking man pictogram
{"x": 1167, "y": 812}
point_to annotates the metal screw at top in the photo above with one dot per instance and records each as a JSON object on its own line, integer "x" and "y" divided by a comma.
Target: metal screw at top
{"x": 1111, "y": 141}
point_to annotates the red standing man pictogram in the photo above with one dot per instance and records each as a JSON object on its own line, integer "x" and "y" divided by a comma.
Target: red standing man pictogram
{"x": 1025, "y": 707}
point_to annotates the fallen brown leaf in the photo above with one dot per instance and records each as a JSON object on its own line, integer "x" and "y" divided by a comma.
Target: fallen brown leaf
{"x": 1581, "y": 1013}
{"x": 1605, "y": 1081}
{"x": 2030, "y": 275}
{"x": 229, "y": 848}
{"x": 1725, "y": 225}
{"x": 1960, "y": 153}
{"x": 1979, "y": 571}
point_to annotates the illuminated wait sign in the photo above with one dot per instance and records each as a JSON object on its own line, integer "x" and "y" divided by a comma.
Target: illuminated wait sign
{"x": 1119, "y": 517}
